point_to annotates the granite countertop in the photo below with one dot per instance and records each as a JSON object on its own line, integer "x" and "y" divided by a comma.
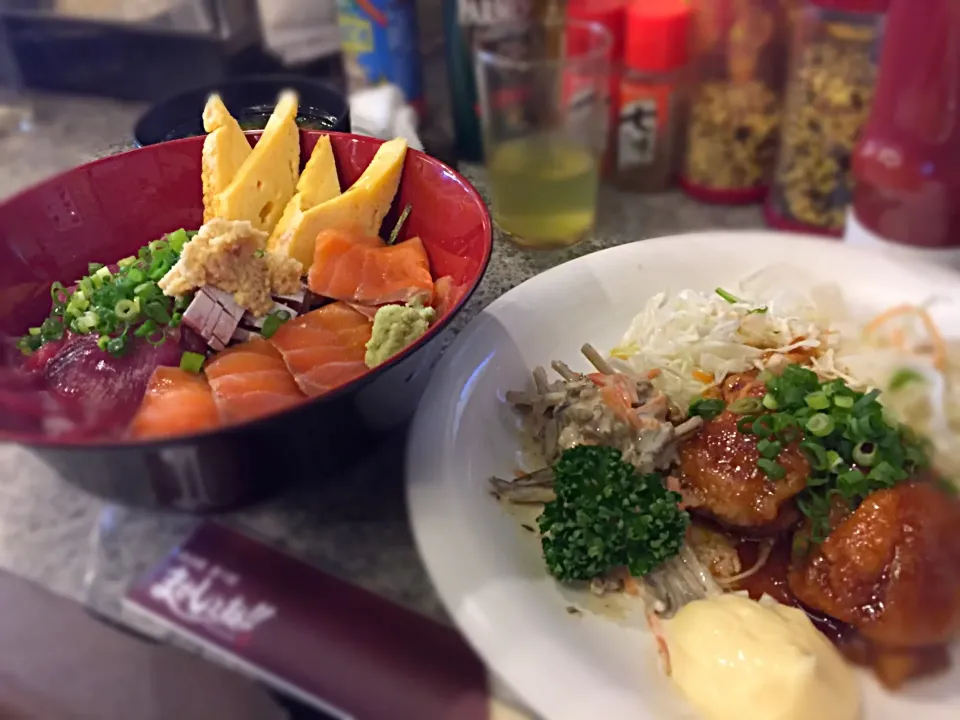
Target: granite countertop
{"x": 353, "y": 526}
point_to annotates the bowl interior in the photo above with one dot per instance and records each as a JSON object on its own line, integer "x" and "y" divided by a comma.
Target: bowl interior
{"x": 108, "y": 209}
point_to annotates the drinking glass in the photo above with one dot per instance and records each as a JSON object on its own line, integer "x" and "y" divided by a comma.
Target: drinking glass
{"x": 16, "y": 112}
{"x": 544, "y": 94}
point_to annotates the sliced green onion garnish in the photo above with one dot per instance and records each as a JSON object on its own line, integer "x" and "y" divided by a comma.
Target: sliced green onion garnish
{"x": 192, "y": 362}
{"x": 126, "y": 309}
{"x": 817, "y": 401}
{"x": 127, "y": 261}
{"x": 147, "y": 328}
{"x": 843, "y": 401}
{"x": 729, "y": 297}
{"x": 271, "y": 324}
{"x": 34, "y": 331}
{"x": 745, "y": 406}
{"x": 177, "y": 239}
{"x": 815, "y": 454}
{"x": 176, "y": 319}
{"x": 102, "y": 342}
{"x": 707, "y": 409}
{"x": 769, "y": 448}
{"x": 821, "y": 425}
{"x": 116, "y": 346}
{"x": 770, "y": 402}
{"x": 136, "y": 275}
{"x": 865, "y": 454}
{"x": 774, "y": 470}
{"x": 156, "y": 312}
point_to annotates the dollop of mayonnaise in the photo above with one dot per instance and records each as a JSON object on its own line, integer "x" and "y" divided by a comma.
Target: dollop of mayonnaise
{"x": 735, "y": 658}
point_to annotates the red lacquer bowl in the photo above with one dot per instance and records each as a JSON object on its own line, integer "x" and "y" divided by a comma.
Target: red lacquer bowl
{"x": 106, "y": 210}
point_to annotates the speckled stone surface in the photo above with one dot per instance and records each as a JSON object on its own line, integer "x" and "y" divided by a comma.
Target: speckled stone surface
{"x": 354, "y": 526}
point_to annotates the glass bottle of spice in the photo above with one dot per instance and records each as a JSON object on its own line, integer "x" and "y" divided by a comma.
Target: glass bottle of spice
{"x": 740, "y": 48}
{"x": 830, "y": 84}
{"x": 650, "y": 97}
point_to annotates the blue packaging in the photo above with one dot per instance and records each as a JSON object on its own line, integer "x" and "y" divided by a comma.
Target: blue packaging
{"x": 381, "y": 44}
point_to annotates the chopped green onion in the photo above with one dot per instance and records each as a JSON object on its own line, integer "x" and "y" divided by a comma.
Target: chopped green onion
{"x": 843, "y": 401}
{"x": 745, "y": 406}
{"x": 127, "y": 262}
{"x": 192, "y": 362}
{"x": 865, "y": 453}
{"x": 817, "y": 401}
{"x": 93, "y": 267}
{"x": 157, "y": 312}
{"x": 157, "y": 339}
{"x": 136, "y": 276}
{"x": 34, "y": 331}
{"x": 821, "y": 425}
{"x": 147, "y": 328}
{"x": 774, "y": 470}
{"x": 769, "y": 448}
{"x": 116, "y": 346}
{"x": 272, "y": 323}
{"x": 745, "y": 424}
{"x": 729, "y": 297}
{"x": 176, "y": 319}
{"x": 126, "y": 309}
{"x": 834, "y": 460}
{"x": 395, "y": 233}
{"x": 770, "y": 402}
{"x": 707, "y": 409}
{"x": 815, "y": 454}
{"x": 102, "y": 342}
{"x": 764, "y": 426}
{"x": 762, "y": 310}
{"x": 904, "y": 377}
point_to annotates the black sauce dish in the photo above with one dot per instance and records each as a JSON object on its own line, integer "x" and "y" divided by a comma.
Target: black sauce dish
{"x": 108, "y": 209}
{"x": 250, "y": 100}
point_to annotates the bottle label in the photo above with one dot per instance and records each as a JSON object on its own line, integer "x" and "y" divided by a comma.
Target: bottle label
{"x": 644, "y": 112}
{"x": 380, "y": 44}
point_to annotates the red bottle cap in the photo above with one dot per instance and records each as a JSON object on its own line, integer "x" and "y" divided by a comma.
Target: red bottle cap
{"x": 612, "y": 14}
{"x": 877, "y": 7}
{"x": 658, "y": 35}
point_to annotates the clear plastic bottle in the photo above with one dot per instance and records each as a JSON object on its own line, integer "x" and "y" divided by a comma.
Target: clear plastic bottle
{"x": 830, "y": 86}
{"x": 735, "y": 104}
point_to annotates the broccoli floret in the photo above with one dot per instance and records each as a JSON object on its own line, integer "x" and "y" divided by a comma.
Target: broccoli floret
{"x": 608, "y": 516}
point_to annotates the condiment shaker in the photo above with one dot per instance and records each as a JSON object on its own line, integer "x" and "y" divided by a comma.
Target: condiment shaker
{"x": 907, "y": 164}
{"x": 649, "y": 121}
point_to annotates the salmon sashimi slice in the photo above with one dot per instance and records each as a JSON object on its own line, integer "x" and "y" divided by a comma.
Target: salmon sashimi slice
{"x": 324, "y": 349}
{"x": 356, "y": 270}
{"x": 176, "y": 402}
{"x": 446, "y": 294}
{"x": 250, "y": 380}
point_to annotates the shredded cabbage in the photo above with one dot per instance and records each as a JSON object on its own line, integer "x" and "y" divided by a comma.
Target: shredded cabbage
{"x": 694, "y": 339}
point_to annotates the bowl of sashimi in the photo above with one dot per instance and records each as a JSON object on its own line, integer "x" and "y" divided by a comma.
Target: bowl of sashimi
{"x": 191, "y": 325}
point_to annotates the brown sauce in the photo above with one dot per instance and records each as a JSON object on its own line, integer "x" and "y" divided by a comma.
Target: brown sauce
{"x": 892, "y": 667}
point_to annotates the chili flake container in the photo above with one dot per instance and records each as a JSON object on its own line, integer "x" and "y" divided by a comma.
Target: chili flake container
{"x": 833, "y": 71}
{"x": 650, "y": 108}
{"x": 736, "y": 100}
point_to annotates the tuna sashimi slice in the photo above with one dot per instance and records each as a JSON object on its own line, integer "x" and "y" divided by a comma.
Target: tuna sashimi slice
{"x": 357, "y": 270}
{"x": 250, "y": 381}
{"x": 107, "y": 388}
{"x": 176, "y": 402}
{"x": 324, "y": 349}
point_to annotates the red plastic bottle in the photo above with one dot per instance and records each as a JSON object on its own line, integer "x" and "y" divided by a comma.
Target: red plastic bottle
{"x": 907, "y": 164}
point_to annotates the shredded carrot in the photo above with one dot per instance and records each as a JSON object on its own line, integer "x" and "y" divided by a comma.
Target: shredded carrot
{"x": 704, "y": 377}
{"x": 936, "y": 339}
{"x": 630, "y": 584}
{"x": 655, "y": 373}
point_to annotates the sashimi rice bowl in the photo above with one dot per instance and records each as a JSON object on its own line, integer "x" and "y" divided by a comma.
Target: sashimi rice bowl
{"x": 771, "y": 477}
{"x": 291, "y": 287}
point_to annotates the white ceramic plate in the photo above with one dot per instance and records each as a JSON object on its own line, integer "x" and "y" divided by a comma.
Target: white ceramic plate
{"x": 600, "y": 663}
